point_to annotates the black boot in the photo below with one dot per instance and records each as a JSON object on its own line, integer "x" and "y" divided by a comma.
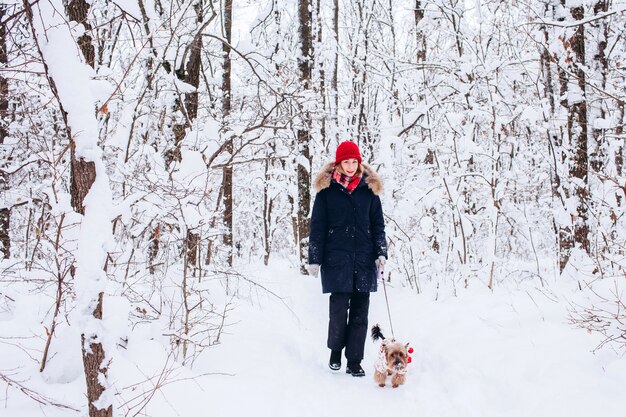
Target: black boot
{"x": 354, "y": 369}
{"x": 335, "y": 360}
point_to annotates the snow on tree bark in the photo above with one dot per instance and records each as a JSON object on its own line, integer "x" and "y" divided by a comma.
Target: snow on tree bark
{"x": 90, "y": 189}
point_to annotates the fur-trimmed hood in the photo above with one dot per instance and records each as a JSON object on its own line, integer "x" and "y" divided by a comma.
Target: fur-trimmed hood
{"x": 372, "y": 179}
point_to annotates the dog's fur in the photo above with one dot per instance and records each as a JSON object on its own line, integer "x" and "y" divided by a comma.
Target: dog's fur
{"x": 392, "y": 360}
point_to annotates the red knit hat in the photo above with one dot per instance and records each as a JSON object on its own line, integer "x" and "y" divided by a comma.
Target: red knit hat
{"x": 347, "y": 150}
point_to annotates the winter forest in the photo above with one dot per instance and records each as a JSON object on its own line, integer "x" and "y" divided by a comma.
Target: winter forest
{"x": 156, "y": 168}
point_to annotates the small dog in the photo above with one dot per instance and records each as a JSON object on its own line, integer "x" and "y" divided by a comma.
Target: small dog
{"x": 393, "y": 358}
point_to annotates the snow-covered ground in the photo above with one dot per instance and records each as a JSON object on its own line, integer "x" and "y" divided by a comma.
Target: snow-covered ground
{"x": 505, "y": 353}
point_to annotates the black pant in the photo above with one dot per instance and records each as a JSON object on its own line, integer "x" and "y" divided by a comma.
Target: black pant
{"x": 347, "y": 326}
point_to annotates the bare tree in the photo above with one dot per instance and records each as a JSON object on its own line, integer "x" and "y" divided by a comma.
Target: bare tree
{"x": 227, "y": 18}
{"x": 188, "y": 72}
{"x": 577, "y": 135}
{"x": 303, "y": 160}
{"x": 5, "y": 213}
{"x": 83, "y": 175}
{"x": 155, "y": 230}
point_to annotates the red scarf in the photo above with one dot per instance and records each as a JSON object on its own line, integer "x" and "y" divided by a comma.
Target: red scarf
{"x": 349, "y": 183}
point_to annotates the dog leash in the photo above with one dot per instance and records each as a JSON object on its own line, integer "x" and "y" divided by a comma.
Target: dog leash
{"x": 387, "y": 302}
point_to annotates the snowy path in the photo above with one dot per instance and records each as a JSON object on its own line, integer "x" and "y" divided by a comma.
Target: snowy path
{"x": 475, "y": 355}
{"x": 506, "y": 354}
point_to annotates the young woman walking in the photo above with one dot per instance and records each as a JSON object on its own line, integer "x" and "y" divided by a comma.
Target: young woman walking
{"x": 348, "y": 241}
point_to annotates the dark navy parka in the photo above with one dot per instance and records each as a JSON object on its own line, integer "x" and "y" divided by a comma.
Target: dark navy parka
{"x": 347, "y": 232}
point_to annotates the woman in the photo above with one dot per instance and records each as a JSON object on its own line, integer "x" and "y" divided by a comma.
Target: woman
{"x": 348, "y": 241}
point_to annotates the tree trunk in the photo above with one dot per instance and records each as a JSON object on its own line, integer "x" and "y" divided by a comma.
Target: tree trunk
{"x": 83, "y": 175}
{"x": 304, "y": 133}
{"x": 214, "y": 218}
{"x": 192, "y": 241}
{"x": 155, "y": 234}
{"x": 577, "y": 233}
{"x": 457, "y": 21}
{"x": 153, "y": 249}
{"x": 578, "y": 134}
{"x": 226, "y": 109}
{"x": 597, "y": 147}
{"x": 5, "y": 213}
{"x": 394, "y": 89}
{"x": 360, "y": 67}
{"x": 267, "y": 215}
{"x": 619, "y": 153}
{"x": 322, "y": 76}
{"x": 335, "y": 80}
{"x": 545, "y": 64}
{"x": 189, "y": 72}
{"x": 554, "y": 142}
{"x": 564, "y": 232}
{"x": 93, "y": 364}
{"x": 77, "y": 10}
{"x": 420, "y": 39}
{"x": 150, "y": 60}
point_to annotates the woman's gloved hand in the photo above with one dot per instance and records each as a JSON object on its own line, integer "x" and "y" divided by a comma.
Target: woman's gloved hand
{"x": 380, "y": 264}
{"x": 313, "y": 269}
